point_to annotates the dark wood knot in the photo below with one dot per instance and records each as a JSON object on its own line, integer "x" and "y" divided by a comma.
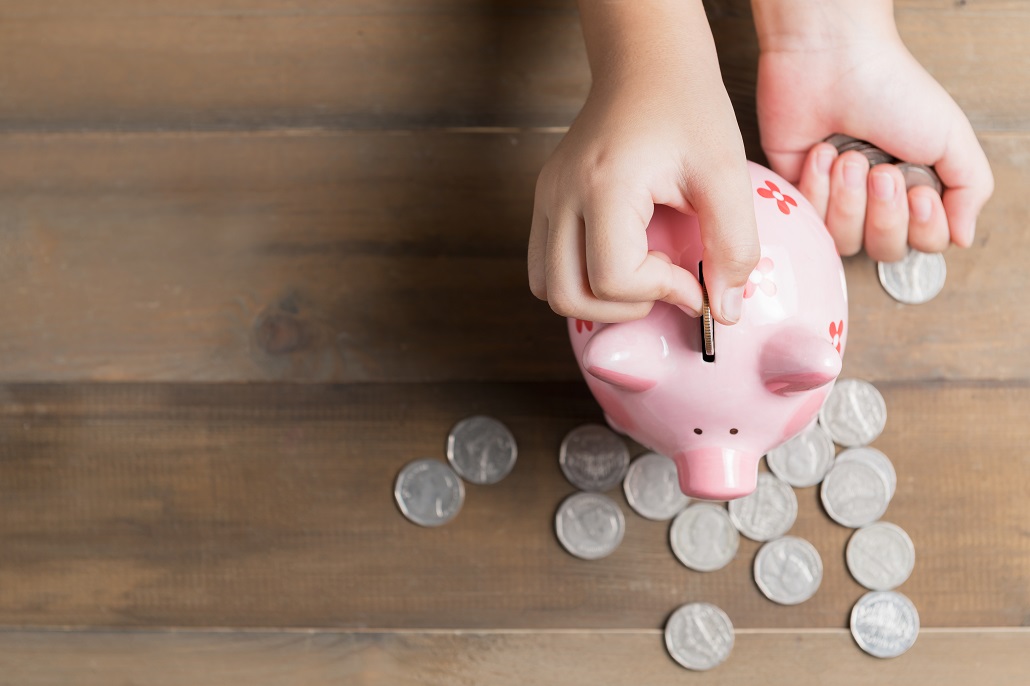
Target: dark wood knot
{"x": 279, "y": 333}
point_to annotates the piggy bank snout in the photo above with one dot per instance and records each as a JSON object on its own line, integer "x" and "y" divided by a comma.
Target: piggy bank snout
{"x": 717, "y": 473}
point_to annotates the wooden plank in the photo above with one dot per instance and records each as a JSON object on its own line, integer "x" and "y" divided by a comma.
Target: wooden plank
{"x": 271, "y": 506}
{"x": 122, "y": 65}
{"x": 952, "y": 657}
{"x": 376, "y": 256}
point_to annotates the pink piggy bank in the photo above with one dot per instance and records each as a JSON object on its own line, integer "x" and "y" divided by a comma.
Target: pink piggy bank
{"x": 770, "y": 372}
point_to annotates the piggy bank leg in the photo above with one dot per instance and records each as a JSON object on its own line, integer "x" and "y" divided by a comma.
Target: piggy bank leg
{"x": 717, "y": 473}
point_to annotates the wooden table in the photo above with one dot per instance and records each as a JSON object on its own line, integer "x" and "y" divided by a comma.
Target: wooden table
{"x": 259, "y": 254}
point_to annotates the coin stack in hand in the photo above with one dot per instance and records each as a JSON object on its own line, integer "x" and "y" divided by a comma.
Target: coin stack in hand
{"x": 480, "y": 450}
{"x": 919, "y": 276}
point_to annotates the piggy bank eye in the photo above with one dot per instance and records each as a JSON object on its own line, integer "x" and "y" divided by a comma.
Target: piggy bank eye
{"x": 733, "y": 432}
{"x": 697, "y": 431}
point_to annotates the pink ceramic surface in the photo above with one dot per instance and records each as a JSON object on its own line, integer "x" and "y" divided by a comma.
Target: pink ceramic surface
{"x": 772, "y": 370}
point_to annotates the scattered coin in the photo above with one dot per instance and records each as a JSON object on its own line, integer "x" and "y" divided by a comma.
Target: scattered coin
{"x": 699, "y": 636}
{"x": 854, "y": 413}
{"x": 854, "y": 493}
{"x": 915, "y": 279}
{"x": 875, "y": 459}
{"x": 880, "y": 556}
{"x": 788, "y": 570}
{"x": 803, "y": 460}
{"x": 652, "y": 487}
{"x": 768, "y": 512}
{"x": 428, "y": 492}
{"x": 593, "y": 458}
{"x": 884, "y": 623}
{"x": 703, "y": 538}
{"x": 590, "y": 525}
{"x": 481, "y": 449}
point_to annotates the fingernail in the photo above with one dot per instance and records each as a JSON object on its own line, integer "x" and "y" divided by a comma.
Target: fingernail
{"x": 732, "y": 302}
{"x": 883, "y": 186}
{"x": 920, "y": 208}
{"x": 854, "y": 174}
{"x": 823, "y": 162}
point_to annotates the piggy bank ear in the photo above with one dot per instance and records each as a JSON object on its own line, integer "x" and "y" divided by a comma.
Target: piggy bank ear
{"x": 794, "y": 361}
{"x": 626, "y": 356}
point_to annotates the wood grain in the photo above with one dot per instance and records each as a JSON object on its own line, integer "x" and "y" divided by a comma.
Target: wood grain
{"x": 271, "y": 506}
{"x": 119, "y": 65}
{"x": 788, "y": 658}
{"x": 376, "y": 256}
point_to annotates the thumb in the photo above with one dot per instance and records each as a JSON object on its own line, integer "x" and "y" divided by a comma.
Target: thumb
{"x": 729, "y": 234}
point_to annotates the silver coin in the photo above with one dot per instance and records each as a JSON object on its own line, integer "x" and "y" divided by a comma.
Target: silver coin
{"x": 854, "y": 413}
{"x": 872, "y": 153}
{"x": 803, "y": 460}
{"x": 843, "y": 142}
{"x": 767, "y": 512}
{"x": 877, "y": 156}
{"x": 481, "y": 449}
{"x": 884, "y": 623}
{"x": 590, "y": 525}
{"x": 854, "y": 493}
{"x": 880, "y": 556}
{"x": 428, "y": 492}
{"x": 875, "y": 459}
{"x": 593, "y": 458}
{"x": 920, "y": 175}
{"x": 699, "y": 636}
{"x": 653, "y": 489}
{"x": 788, "y": 570}
{"x": 703, "y": 538}
{"x": 915, "y": 279}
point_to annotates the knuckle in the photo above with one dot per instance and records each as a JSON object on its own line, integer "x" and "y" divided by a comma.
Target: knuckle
{"x": 640, "y": 310}
{"x": 564, "y": 303}
{"x": 537, "y": 287}
{"x": 848, "y": 243}
{"x": 885, "y": 225}
{"x": 606, "y": 284}
{"x": 929, "y": 241}
{"x": 739, "y": 259}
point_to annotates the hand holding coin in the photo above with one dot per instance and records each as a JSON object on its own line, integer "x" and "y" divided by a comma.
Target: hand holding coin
{"x": 832, "y": 66}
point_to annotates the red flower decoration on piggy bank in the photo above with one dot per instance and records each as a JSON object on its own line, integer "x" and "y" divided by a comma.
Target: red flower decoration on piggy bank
{"x": 783, "y": 201}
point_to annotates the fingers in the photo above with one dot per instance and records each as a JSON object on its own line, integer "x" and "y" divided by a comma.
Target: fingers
{"x": 886, "y": 216}
{"x": 567, "y": 284}
{"x": 927, "y": 223}
{"x": 845, "y": 212}
{"x": 537, "y": 254}
{"x": 968, "y": 182}
{"x": 729, "y": 234}
{"x": 872, "y": 208}
{"x": 815, "y": 176}
{"x": 619, "y": 266}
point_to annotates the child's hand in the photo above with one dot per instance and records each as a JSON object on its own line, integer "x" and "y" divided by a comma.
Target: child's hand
{"x": 657, "y": 128}
{"x": 840, "y": 67}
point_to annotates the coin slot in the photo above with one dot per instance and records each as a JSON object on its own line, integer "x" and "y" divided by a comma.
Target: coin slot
{"x": 706, "y": 321}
